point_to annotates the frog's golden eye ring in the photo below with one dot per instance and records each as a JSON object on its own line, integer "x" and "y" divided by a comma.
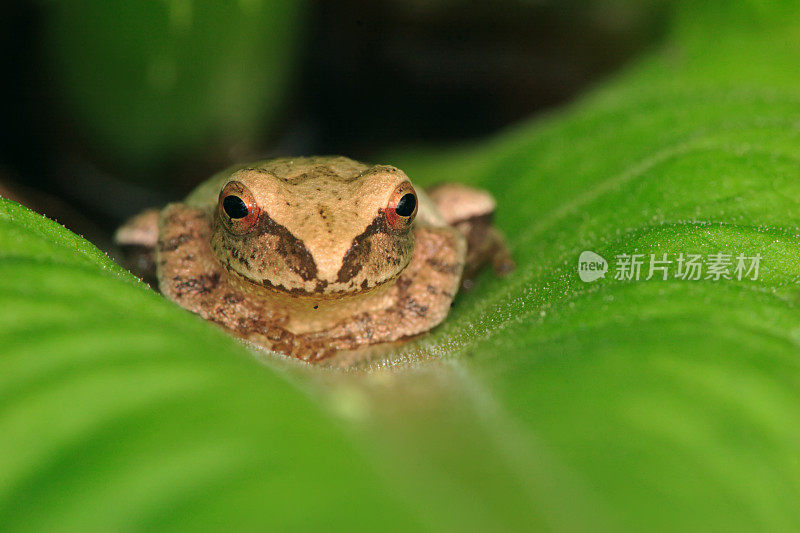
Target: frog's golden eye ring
{"x": 237, "y": 208}
{"x": 402, "y": 207}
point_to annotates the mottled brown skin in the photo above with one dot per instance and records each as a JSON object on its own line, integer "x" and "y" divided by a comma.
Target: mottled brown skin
{"x": 327, "y": 265}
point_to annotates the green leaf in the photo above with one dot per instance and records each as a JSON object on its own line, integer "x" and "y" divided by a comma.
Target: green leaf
{"x": 542, "y": 401}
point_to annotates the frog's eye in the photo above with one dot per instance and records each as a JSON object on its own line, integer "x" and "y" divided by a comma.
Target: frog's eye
{"x": 237, "y": 208}
{"x": 402, "y": 207}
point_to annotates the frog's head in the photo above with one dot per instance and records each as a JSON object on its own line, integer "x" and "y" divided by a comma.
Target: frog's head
{"x": 318, "y": 230}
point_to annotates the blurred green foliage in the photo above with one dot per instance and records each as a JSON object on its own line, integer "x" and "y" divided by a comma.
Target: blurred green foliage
{"x": 542, "y": 401}
{"x": 147, "y": 82}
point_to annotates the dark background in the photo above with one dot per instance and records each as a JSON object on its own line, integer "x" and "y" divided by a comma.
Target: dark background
{"x": 86, "y": 141}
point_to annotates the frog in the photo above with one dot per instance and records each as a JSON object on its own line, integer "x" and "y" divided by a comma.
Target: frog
{"x": 310, "y": 257}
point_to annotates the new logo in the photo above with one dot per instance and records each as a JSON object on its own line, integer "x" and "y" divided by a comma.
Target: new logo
{"x": 591, "y": 266}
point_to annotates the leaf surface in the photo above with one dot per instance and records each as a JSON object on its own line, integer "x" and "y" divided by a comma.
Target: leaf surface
{"x": 542, "y": 401}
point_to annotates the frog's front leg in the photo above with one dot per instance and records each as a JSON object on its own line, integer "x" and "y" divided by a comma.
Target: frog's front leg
{"x": 471, "y": 211}
{"x": 137, "y": 239}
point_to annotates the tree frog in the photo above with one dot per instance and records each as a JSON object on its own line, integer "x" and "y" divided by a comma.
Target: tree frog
{"x": 316, "y": 255}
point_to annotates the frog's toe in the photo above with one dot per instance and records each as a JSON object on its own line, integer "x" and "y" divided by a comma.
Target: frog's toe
{"x": 136, "y": 240}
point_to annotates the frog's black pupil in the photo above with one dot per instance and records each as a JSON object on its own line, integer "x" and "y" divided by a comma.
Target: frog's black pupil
{"x": 234, "y": 206}
{"x": 406, "y": 205}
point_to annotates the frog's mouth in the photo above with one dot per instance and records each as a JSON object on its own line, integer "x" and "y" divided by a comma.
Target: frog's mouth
{"x": 321, "y": 290}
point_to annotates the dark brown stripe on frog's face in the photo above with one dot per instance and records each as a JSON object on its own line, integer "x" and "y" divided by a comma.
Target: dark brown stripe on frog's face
{"x": 269, "y": 243}
{"x": 360, "y": 249}
{"x": 294, "y": 252}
